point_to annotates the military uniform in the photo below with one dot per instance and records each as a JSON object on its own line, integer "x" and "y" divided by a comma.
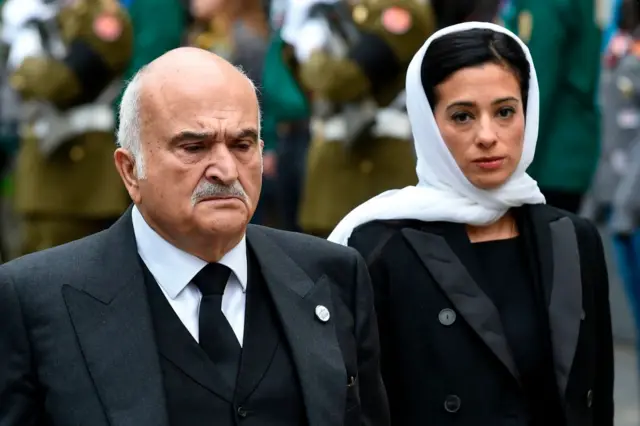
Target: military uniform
{"x": 340, "y": 175}
{"x": 564, "y": 37}
{"x": 615, "y": 194}
{"x": 69, "y": 188}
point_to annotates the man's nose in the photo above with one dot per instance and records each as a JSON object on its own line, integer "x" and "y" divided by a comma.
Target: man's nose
{"x": 221, "y": 166}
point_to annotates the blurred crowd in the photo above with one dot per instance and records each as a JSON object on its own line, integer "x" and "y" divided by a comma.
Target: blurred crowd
{"x": 334, "y": 123}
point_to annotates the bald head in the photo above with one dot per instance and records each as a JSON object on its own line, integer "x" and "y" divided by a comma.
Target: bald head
{"x": 186, "y": 65}
{"x": 181, "y": 74}
{"x": 191, "y": 154}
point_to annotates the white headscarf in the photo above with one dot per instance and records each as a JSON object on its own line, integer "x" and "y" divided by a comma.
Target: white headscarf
{"x": 443, "y": 192}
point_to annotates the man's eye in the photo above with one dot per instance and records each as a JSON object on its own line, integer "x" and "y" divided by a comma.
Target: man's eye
{"x": 243, "y": 146}
{"x": 193, "y": 147}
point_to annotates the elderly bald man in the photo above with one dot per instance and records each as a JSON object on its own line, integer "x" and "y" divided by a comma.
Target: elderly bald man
{"x": 181, "y": 313}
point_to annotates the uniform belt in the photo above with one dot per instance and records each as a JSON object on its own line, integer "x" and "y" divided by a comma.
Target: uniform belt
{"x": 53, "y": 128}
{"x": 390, "y": 123}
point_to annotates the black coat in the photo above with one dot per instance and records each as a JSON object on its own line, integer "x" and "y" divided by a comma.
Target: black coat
{"x": 464, "y": 373}
{"x": 77, "y": 344}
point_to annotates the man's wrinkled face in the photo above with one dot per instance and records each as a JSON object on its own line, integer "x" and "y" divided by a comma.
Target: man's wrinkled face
{"x": 202, "y": 155}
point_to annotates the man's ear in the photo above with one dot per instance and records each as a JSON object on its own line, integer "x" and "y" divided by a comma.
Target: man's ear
{"x": 126, "y": 166}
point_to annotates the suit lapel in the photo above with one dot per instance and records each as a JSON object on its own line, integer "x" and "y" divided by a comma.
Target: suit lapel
{"x": 112, "y": 321}
{"x": 260, "y": 335}
{"x": 556, "y": 267}
{"x": 565, "y": 304}
{"x": 314, "y": 344}
{"x": 468, "y": 298}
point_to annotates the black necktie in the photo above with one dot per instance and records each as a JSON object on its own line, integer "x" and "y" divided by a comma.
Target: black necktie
{"x": 216, "y": 335}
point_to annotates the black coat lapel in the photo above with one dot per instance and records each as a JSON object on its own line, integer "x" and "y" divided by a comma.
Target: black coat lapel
{"x": 552, "y": 239}
{"x": 112, "y": 321}
{"x": 314, "y": 344}
{"x": 565, "y": 306}
{"x": 261, "y": 337}
{"x": 533, "y": 224}
{"x": 468, "y": 298}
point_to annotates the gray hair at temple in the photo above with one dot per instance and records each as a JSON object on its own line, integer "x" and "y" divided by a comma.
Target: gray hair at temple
{"x": 129, "y": 132}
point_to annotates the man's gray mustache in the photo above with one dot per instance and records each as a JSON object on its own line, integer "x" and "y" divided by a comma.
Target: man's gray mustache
{"x": 208, "y": 189}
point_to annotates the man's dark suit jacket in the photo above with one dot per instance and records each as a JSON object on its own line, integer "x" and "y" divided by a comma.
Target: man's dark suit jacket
{"x": 446, "y": 358}
{"x": 77, "y": 344}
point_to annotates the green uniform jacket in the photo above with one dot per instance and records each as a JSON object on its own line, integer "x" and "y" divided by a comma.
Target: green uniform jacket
{"x": 79, "y": 180}
{"x": 340, "y": 179}
{"x": 564, "y": 39}
{"x": 158, "y": 26}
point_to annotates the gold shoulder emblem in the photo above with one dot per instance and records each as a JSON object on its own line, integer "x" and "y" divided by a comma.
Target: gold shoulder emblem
{"x": 360, "y": 14}
{"x": 525, "y": 25}
{"x": 625, "y": 86}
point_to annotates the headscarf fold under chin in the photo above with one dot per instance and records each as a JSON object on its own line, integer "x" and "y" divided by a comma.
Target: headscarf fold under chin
{"x": 443, "y": 192}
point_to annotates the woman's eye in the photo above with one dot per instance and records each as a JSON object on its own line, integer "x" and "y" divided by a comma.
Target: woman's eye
{"x": 461, "y": 117}
{"x": 506, "y": 112}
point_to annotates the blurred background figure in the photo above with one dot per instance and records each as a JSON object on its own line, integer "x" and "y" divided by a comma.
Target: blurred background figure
{"x": 614, "y": 199}
{"x": 453, "y": 12}
{"x": 65, "y": 62}
{"x": 564, "y": 39}
{"x": 158, "y": 26}
{"x": 286, "y": 119}
{"x": 350, "y": 59}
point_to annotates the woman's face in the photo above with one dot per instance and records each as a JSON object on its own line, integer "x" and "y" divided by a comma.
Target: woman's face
{"x": 480, "y": 116}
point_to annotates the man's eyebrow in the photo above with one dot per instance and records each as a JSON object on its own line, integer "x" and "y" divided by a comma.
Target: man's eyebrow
{"x": 191, "y": 135}
{"x": 246, "y": 133}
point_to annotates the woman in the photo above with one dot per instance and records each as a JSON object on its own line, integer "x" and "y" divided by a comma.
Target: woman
{"x": 492, "y": 307}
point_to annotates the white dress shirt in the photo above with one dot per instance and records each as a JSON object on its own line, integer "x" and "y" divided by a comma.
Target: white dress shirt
{"x": 174, "y": 270}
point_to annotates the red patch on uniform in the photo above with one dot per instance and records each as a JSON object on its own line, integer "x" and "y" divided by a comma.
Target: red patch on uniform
{"x": 396, "y": 20}
{"x": 107, "y": 27}
{"x": 619, "y": 45}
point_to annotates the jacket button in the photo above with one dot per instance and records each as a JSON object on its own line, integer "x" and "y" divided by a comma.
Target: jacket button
{"x": 452, "y": 404}
{"x": 242, "y": 412}
{"x": 447, "y": 317}
{"x": 589, "y": 398}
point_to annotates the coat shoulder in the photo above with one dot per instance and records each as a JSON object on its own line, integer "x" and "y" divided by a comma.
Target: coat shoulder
{"x": 54, "y": 266}
{"x": 302, "y": 243}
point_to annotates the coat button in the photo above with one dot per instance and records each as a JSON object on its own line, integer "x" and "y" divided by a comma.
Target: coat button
{"x": 452, "y": 404}
{"x": 242, "y": 412}
{"x": 589, "y": 398}
{"x": 322, "y": 313}
{"x": 447, "y": 317}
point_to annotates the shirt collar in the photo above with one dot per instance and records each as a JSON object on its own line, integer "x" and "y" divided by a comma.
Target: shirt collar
{"x": 173, "y": 268}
